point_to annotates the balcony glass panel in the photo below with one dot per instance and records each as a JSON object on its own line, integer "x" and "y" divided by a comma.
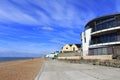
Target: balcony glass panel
{"x": 106, "y": 25}
{"x": 112, "y": 37}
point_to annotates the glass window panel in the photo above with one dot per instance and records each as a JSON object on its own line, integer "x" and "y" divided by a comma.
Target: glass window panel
{"x": 99, "y": 51}
{"x": 95, "y": 52}
{"x": 104, "y": 51}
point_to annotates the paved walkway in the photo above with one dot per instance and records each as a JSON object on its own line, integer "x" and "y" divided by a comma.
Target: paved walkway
{"x": 56, "y": 70}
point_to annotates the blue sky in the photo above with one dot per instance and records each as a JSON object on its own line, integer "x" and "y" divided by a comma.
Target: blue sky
{"x": 43, "y": 26}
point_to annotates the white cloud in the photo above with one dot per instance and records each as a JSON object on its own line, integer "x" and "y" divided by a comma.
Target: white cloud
{"x": 60, "y": 13}
{"x": 47, "y": 28}
{"x": 55, "y": 12}
{"x": 57, "y": 41}
{"x": 17, "y": 16}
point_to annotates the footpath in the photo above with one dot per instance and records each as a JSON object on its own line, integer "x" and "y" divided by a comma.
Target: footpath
{"x": 58, "y": 70}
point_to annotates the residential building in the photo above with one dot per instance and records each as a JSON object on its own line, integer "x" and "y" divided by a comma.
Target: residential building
{"x": 70, "y": 51}
{"x": 53, "y": 55}
{"x": 102, "y": 37}
{"x": 66, "y": 48}
{"x": 71, "y": 48}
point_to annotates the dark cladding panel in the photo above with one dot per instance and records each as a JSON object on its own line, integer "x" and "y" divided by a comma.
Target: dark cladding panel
{"x": 117, "y": 17}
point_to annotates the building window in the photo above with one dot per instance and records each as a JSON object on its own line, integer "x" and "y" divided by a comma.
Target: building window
{"x": 101, "y": 51}
{"x": 66, "y": 47}
{"x": 84, "y": 37}
{"x": 104, "y": 51}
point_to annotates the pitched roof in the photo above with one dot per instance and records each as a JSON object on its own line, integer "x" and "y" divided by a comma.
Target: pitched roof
{"x": 70, "y": 44}
{"x": 78, "y": 45}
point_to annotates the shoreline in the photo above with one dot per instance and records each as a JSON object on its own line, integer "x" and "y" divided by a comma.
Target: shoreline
{"x": 8, "y": 59}
{"x": 20, "y": 69}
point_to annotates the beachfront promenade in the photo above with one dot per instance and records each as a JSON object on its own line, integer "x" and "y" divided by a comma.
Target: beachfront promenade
{"x": 57, "y": 70}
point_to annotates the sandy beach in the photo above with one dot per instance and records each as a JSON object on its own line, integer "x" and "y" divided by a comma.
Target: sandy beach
{"x": 20, "y": 70}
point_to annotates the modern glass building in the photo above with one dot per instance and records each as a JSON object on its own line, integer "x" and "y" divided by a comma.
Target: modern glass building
{"x": 102, "y": 36}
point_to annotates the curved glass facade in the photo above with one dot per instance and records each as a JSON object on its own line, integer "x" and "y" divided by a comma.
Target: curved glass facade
{"x": 104, "y": 23}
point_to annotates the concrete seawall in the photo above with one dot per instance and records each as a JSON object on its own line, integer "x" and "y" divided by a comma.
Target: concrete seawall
{"x": 100, "y": 57}
{"x": 71, "y": 57}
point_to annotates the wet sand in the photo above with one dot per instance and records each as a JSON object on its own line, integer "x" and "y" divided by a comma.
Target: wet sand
{"x": 20, "y": 70}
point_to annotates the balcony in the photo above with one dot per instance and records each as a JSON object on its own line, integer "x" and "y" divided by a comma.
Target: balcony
{"x": 100, "y": 32}
{"x": 104, "y": 44}
{"x": 106, "y": 26}
{"x": 106, "y": 38}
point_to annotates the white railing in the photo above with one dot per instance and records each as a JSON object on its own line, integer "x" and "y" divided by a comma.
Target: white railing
{"x": 106, "y": 30}
{"x": 104, "y": 44}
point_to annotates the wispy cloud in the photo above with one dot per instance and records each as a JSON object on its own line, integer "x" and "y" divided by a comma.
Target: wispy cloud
{"x": 45, "y": 12}
{"x": 28, "y": 25}
{"x": 47, "y": 28}
{"x": 16, "y": 16}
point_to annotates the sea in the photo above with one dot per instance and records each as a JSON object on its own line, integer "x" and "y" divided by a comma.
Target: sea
{"x": 3, "y": 59}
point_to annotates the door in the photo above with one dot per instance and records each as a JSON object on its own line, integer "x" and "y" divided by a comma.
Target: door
{"x": 73, "y": 48}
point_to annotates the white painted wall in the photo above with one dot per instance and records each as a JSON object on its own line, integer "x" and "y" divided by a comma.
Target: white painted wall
{"x": 85, "y": 43}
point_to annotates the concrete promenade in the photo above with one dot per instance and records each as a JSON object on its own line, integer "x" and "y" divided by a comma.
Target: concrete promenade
{"x": 56, "y": 70}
